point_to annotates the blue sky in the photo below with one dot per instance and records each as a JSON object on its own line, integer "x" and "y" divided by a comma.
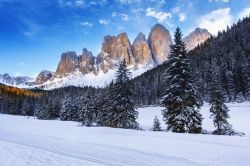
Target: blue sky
{"x": 34, "y": 33}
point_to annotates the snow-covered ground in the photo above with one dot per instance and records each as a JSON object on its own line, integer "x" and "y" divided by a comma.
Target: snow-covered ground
{"x": 29, "y": 142}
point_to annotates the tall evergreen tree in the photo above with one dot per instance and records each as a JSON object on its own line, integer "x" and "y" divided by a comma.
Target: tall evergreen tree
{"x": 219, "y": 113}
{"x": 89, "y": 108}
{"x": 181, "y": 97}
{"x": 104, "y": 106}
{"x": 121, "y": 112}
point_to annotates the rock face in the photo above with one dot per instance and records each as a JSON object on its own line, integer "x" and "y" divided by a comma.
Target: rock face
{"x": 141, "y": 50}
{"x": 68, "y": 63}
{"x": 159, "y": 41}
{"x": 44, "y": 76}
{"x": 87, "y": 62}
{"x": 71, "y": 63}
{"x": 115, "y": 48}
{"x": 196, "y": 37}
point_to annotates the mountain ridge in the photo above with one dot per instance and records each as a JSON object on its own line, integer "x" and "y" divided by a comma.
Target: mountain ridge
{"x": 141, "y": 55}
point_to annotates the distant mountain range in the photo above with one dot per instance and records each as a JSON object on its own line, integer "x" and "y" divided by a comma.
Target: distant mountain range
{"x": 86, "y": 69}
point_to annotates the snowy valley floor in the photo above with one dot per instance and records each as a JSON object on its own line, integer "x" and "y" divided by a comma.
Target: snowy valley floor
{"x": 29, "y": 142}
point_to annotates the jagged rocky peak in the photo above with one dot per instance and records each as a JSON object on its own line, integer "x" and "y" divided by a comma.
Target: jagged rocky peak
{"x": 108, "y": 42}
{"x": 159, "y": 41}
{"x": 68, "y": 63}
{"x": 44, "y": 76}
{"x": 122, "y": 49}
{"x": 196, "y": 37}
{"x": 141, "y": 50}
{"x": 87, "y": 62}
{"x": 115, "y": 48}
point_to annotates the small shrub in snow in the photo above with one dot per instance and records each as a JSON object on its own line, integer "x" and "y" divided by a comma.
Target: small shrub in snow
{"x": 157, "y": 124}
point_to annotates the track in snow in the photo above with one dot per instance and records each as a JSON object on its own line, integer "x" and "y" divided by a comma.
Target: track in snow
{"x": 85, "y": 158}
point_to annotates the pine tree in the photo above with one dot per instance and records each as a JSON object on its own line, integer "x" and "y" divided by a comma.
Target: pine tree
{"x": 69, "y": 110}
{"x": 121, "y": 113}
{"x": 104, "y": 106}
{"x": 27, "y": 108}
{"x": 181, "y": 97}
{"x": 240, "y": 98}
{"x": 89, "y": 109}
{"x": 156, "y": 124}
{"x": 219, "y": 113}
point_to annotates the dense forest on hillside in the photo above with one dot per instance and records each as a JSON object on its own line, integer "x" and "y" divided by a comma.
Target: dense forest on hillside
{"x": 225, "y": 58}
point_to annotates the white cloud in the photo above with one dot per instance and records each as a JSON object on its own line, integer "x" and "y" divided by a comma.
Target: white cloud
{"x": 176, "y": 9}
{"x": 124, "y": 17}
{"x": 100, "y": 3}
{"x": 226, "y": 1}
{"x": 128, "y": 1}
{"x": 162, "y": 2}
{"x": 103, "y": 21}
{"x": 79, "y": 3}
{"x": 86, "y": 24}
{"x": 245, "y": 12}
{"x": 114, "y": 14}
{"x": 216, "y": 20}
{"x": 160, "y": 16}
{"x": 182, "y": 17}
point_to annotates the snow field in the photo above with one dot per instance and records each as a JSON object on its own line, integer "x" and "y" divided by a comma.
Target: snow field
{"x": 27, "y": 141}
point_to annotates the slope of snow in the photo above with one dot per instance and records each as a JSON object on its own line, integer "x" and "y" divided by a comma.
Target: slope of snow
{"x": 80, "y": 80}
{"x": 27, "y": 141}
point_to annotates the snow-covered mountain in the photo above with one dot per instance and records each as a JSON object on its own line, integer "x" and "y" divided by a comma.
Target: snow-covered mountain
{"x": 86, "y": 69}
{"x": 15, "y": 81}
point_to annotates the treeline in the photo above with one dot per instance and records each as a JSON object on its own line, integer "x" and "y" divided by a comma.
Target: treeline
{"x": 225, "y": 58}
{"x": 17, "y": 101}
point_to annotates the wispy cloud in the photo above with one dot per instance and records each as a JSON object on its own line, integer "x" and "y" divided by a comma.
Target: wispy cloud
{"x": 182, "y": 17}
{"x": 159, "y": 16}
{"x": 103, "y": 21}
{"x": 86, "y": 24}
{"x": 114, "y": 14}
{"x": 124, "y": 16}
{"x": 216, "y": 20}
{"x": 128, "y": 1}
{"x": 226, "y": 1}
{"x": 29, "y": 28}
{"x": 80, "y": 3}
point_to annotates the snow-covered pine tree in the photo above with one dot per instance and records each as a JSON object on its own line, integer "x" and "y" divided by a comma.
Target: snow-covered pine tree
{"x": 219, "y": 112}
{"x": 104, "y": 106}
{"x": 156, "y": 124}
{"x": 27, "y": 108}
{"x": 180, "y": 95}
{"x": 69, "y": 110}
{"x": 40, "y": 110}
{"x": 240, "y": 98}
{"x": 89, "y": 108}
{"x": 121, "y": 112}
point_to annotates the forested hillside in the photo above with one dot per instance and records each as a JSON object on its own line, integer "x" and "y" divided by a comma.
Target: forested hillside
{"x": 225, "y": 58}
